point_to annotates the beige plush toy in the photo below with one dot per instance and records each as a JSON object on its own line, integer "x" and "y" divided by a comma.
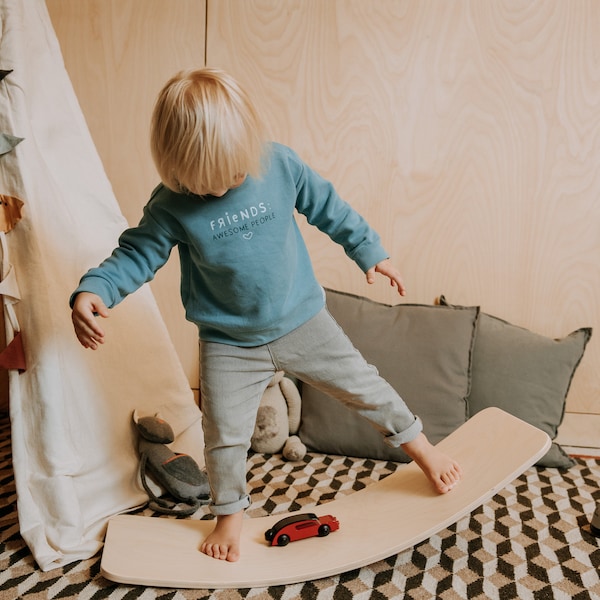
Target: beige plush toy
{"x": 278, "y": 420}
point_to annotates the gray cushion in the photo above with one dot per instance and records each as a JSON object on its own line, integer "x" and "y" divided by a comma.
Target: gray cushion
{"x": 424, "y": 352}
{"x": 526, "y": 374}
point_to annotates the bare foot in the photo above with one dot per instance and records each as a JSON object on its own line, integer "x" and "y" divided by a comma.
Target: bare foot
{"x": 224, "y": 541}
{"x": 443, "y": 471}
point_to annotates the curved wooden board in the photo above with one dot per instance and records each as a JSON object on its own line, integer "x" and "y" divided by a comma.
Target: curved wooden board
{"x": 385, "y": 518}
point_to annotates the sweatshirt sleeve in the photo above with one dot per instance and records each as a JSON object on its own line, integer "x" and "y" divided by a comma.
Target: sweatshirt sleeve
{"x": 323, "y": 208}
{"x": 142, "y": 250}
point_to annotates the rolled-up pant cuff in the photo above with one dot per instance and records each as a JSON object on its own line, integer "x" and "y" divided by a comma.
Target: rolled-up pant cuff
{"x": 408, "y": 435}
{"x": 231, "y": 508}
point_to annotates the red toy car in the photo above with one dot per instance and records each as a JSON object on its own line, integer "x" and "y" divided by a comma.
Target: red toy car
{"x": 300, "y": 526}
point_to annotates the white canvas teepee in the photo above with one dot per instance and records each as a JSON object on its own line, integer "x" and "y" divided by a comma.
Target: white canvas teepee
{"x": 74, "y": 452}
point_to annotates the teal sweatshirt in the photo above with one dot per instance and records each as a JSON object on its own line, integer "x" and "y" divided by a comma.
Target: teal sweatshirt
{"x": 246, "y": 275}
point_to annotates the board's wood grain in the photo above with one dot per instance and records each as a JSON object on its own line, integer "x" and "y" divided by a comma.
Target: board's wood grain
{"x": 381, "y": 520}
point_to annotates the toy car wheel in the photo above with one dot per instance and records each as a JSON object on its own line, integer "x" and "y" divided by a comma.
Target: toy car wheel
{"x": 324, "y": 530}
{"x": 283, "y": 540}
{"x": 269, "y": 535}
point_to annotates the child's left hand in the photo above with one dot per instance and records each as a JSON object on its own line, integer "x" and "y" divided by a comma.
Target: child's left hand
{"x": 386, "y": 268}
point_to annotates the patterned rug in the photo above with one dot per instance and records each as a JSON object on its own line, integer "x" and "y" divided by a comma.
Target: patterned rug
{"x": 531, "y": 541}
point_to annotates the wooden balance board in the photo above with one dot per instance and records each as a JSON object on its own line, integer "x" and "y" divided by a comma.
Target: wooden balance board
{"x": 385, "y": 518}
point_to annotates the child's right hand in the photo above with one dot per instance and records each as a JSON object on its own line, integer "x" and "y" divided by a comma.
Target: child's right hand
{"x": 85, "y": 308}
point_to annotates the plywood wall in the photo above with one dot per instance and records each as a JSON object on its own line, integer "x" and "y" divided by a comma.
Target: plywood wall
{"x": 467, "y": 132}
{"x": 119, "y": 53}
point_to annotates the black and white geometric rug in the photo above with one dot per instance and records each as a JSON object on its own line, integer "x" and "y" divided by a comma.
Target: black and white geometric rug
{"x": 531, "y": 541}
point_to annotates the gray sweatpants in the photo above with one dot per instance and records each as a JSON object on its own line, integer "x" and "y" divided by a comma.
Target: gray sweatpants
{"x": 234, "y": 379}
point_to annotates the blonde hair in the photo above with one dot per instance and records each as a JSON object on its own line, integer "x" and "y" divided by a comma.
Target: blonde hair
{"x": 205, "y": 132}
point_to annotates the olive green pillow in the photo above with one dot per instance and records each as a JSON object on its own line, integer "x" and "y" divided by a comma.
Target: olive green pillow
{"x": 526, "y": 374}
{"x": 423, "y": 351}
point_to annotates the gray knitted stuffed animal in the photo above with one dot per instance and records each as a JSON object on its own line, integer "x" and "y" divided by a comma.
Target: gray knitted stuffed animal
{"x": 178, "y": 474}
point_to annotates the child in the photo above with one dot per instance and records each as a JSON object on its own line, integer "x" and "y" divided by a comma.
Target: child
{"x": 227, "y": 201}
